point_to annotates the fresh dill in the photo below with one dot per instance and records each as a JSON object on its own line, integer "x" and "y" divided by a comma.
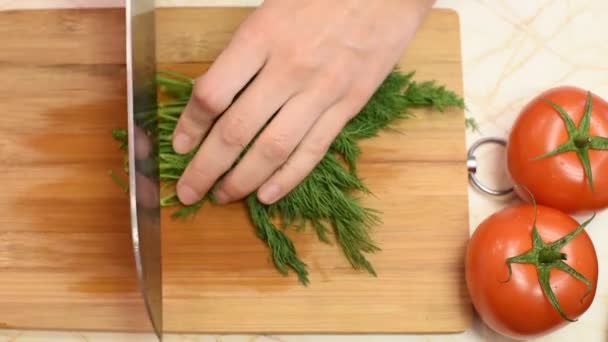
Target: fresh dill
{"x": 471, "y": 124}
{"x": 326, "y": 201}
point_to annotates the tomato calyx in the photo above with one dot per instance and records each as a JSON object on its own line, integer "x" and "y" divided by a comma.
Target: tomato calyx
{"x": 579, "y": 140}
{"x": 547, "y": 256}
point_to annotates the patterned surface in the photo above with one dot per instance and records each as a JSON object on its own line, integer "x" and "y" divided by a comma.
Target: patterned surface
{"x": 511, "y": 51}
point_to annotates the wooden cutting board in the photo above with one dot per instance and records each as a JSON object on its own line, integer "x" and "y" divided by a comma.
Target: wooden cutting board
{"x": 65, "y": 248}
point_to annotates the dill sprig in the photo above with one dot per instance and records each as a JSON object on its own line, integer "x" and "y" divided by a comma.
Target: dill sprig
{"x": 121, "y": 182}
{"x": 471, "y": 124}
{"x": 326, "y": 201}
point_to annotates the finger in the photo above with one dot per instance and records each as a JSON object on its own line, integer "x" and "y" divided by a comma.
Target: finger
{"x": 146, "y": 191}
{"x": 143, "y": 145}
{"x": 311, "y": 151}
{"x": 215, "y": 90}
{"x": 274, "y": 145}
{"x": 232, "y": 133}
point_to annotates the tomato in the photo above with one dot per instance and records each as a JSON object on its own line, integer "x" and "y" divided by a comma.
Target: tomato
{"x": 519, "y": 307}
{"x": 560, "y": 180}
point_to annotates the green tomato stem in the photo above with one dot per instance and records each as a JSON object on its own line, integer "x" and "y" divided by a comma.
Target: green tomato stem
{"x": 582, "y": 141}
{"x": 547, "y": 256}
{"x": 579, "y": 139}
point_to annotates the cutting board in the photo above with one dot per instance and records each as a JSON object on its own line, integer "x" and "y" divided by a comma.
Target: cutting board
{"x": 65, "y": 247}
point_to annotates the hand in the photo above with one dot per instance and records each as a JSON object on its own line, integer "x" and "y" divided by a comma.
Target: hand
{"x": 316, "y": 63}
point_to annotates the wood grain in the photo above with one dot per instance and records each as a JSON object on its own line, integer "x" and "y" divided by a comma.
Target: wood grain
{"x": 65, "y": 255}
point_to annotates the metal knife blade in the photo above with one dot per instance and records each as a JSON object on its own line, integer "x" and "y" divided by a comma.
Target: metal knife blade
{"x": 143, "y": 154}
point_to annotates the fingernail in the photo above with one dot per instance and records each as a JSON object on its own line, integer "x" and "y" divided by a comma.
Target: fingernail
{"x": 187, "y": 195}
{"x": 181, "y": 143}
{"x": 269, "y": 194}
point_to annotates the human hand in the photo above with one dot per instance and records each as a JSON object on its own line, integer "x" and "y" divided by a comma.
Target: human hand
{"x": 315, "y": 63}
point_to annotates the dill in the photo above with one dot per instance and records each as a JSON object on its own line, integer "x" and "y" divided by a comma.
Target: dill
{"x": 121, "y": 182}
{"x": 471, "y": 124}
{"x": 326, "y": 201}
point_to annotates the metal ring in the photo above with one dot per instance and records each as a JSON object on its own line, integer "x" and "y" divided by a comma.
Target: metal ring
{"x": 472, "y": 166}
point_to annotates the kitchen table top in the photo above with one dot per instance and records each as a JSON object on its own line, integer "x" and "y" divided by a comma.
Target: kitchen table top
{"x": 512, "y": 50}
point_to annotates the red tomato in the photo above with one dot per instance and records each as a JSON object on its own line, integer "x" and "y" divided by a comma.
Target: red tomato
{"x": 559, "y": 181}
{"x": 519, "y": 308}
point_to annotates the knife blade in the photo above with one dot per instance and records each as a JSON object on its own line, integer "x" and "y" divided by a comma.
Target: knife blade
{"x": 144, "y": 186}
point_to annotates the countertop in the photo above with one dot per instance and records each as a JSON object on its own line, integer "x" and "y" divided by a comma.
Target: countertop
{"x": 512, "y": 50}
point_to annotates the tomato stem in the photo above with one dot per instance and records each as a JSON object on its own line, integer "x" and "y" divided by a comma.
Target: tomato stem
{"x": 582, "y": 141}
{"x": 579, "y": 140}
{"x": 547, "y": 256}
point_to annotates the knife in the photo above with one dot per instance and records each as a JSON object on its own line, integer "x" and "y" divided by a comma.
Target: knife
{"x": 144, "y": 186}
